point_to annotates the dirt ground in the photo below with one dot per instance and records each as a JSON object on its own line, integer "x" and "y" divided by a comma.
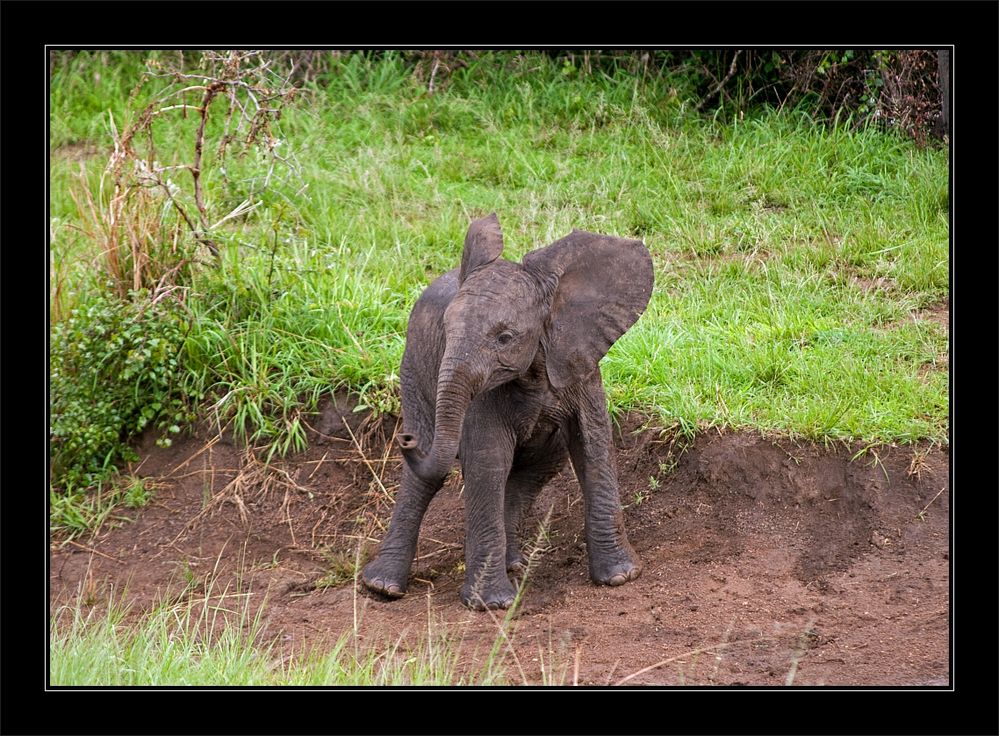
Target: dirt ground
{"x": 765, "y": 560}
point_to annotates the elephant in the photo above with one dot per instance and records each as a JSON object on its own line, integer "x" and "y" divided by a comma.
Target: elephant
{"x": 500, "y": 370}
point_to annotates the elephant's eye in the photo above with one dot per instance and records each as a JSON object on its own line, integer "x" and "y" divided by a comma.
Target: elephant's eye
{"x": 504, "y": 337}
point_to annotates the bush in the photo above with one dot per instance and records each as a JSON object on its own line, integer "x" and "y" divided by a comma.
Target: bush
{"x": 113, "y": 368}
{"x": 897, "y": 89}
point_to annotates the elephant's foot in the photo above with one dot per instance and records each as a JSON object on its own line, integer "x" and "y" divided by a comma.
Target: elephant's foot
{"x": 385, "y": 578}
{"x": 480, "y": 597}
{"x": 516, "y": 563}
{"x": 614, "y": 568}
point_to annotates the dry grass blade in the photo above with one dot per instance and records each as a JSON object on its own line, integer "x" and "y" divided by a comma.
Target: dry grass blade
{"x": 692, "y": 652}
{"x": 367, "y": 463}
{"x": 207, "y": 446}
{"x": 253, "y": 480}
{"x": 319, "y": 464}
{"x": 918, "y": 464}
{"x": 241, "y": 209}
{"x": 718, "y": 656}
{"x": 502, "y": 627}
{"x": 575, "y": 666}
{"x": 95, "y": 552}
{"x": 799, "y": 652}
{"x": 922, "y": 514}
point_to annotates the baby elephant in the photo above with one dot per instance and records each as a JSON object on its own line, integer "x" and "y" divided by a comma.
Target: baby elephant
{"x": 500, "y": 369}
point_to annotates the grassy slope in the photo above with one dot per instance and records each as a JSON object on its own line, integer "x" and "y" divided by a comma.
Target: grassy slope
{"x": 792, "y": 260}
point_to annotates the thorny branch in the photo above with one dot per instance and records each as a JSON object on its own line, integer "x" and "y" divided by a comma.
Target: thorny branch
{"x": 253, "y": 105}
{"x": 199, "y": 142}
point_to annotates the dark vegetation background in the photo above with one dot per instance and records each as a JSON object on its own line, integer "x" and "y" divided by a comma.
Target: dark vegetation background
{"x": 900, "y": 88}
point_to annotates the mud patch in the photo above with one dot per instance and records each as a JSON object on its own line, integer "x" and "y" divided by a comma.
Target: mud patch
{"x": 764, "y": 560}
{"x": 938, "y": 313}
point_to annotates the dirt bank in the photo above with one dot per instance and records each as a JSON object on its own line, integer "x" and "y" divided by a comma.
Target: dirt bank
{"x": 764, "y": 560}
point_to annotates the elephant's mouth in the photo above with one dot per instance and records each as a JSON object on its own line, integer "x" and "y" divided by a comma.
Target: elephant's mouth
{"x": 500, "y": 376}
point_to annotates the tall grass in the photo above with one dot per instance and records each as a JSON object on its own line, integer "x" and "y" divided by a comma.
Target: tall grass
{"x": 219, "y": 643}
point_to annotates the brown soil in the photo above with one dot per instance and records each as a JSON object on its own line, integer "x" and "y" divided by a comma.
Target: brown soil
{"x": 764, "y": 559}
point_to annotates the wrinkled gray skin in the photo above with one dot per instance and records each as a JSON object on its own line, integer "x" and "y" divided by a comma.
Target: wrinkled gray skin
{"x": 500, "y": 369}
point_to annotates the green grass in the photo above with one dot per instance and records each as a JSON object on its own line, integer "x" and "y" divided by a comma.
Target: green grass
{"x": 82, "y": 510}
{"x": 213, "y": 636}
{"x": 793, "y": 258}
{"x": 217, "y": 639}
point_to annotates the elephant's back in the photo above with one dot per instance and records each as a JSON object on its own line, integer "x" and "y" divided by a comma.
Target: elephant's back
{"x": 427, "y": 318}
{"x": 424, "y": 348}
{"x": 439, "y": 294}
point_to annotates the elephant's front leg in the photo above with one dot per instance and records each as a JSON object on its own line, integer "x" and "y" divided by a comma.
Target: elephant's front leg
{"x": 588, "y": 435}
{"x": 388, "y": 573}
{"x": 486, "y": 456}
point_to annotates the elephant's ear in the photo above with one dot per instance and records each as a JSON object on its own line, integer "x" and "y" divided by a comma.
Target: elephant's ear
{"x": 483, "y": 244}
{"x": 602, "y": 284}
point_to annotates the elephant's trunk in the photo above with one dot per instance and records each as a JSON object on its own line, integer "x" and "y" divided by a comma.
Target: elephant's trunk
{"x": 456, "y": 387}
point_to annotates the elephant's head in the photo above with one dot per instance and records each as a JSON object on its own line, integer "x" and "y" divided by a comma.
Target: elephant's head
{"x": 572, "y": 300}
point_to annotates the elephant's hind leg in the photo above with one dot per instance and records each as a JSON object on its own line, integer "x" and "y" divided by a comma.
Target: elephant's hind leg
{"x": 532, "y": 469}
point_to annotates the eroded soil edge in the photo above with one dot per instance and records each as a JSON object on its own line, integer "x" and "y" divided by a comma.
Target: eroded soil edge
{"x": 762, "y": 558}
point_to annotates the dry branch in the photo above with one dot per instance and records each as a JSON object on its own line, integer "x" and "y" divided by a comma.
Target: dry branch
{"x": 718, "y": 87}
{"x": 138, "y": 242}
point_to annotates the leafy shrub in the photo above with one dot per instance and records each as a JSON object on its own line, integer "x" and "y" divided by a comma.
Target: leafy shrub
{"x": 113, "y": 368}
